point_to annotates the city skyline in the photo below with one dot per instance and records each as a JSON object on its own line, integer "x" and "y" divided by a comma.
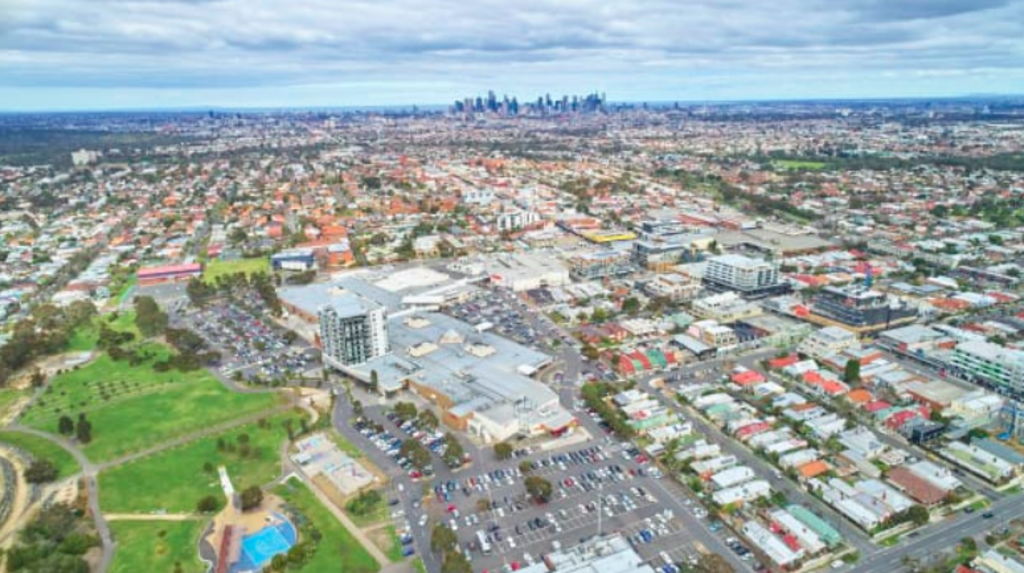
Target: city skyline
{"x": 57, "y": 56}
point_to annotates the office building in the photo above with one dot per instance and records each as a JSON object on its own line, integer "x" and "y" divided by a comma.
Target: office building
{"x": 860, "y": 309}
{"x": 353, "y": 330}
{"x": 751, "y": 278}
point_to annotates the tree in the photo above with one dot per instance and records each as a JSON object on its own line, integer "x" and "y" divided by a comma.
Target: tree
{"x": 442, "y": 539}
{"x": 454, "y": 453}
{"x": 149, "y": 319}
{"x": 279, "y": 562}
{"x": 918, "y": 515}
{"x": 252, "y": 497}
{"x": 539, "y": 488}
{"x": 851, "y": 373}
{"x": 502, "y": 451}
{"x": 591, "y": 352}
{"x": 38, "y": 378}
{"x": 713, "y": 563}
{"x": 525, "y": 466}
{"x": 207, "y": 504}
{"x": 83, "y": 431}
{"x": 405, "y": 411}
{"x": 630, "y": 305}
{"x": 40, "y": 471}
{"x": 455, "y": 562}
{"x": 428, "y": 419}
{"x": 414, "y": 451}
{"x": 65, "y": 425}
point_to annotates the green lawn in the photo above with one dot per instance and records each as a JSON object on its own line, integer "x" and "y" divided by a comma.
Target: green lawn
{"x": 394, "y": 548}
{"x": 41, "y": 448}
{"x": 379, "y": 514}
{"x": 84, "y": 338}
{"x": 217, "y": 268}
{"x": 418, "y": 565}
{"x": 9, "y": 397}
{"x": 337, "y": 550}
{"x": 156, "y": 546}
{"x": 174, "y": 480}
{"x": 796, "y": 164}
{"x": 134, "y": 407}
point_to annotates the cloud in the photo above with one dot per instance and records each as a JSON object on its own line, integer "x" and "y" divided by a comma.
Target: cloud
{"x": 199, "y": 47}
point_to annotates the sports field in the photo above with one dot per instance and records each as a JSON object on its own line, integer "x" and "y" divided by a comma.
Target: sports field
{"x": 157, "y": 546}
{"x": 41, "y": 448}
{"x": 134, "y": 407}
{"x": 337, "y": 550}
{"x": 175, "y": 479}
{"x": 217, "y": 268}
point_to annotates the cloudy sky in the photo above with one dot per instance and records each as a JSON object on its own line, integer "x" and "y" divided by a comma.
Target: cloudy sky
{"x": 115, "y": 54}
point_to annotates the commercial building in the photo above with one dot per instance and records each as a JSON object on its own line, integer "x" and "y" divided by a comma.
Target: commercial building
{"x": 609, "y": 554}
{"x": 752, "y": 278}
{"x": 827, "y": 341}
{"x": 725, "y": 307}
{"x": 673, "y": 287}
{"x": 600, "y": 264}
{"x": 991, "y": 364}
{"x": 522, "y": 271}
{"x": 480, "y": 382}
{"x": 170, "y": 273}
{"x": 294, "y": 260}
{"x": 860, "y": 309}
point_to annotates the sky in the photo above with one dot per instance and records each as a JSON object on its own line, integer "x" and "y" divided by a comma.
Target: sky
{"x": 131, "y": 54}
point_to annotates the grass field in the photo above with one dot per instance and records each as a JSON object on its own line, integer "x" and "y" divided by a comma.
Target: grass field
{"x": 337, "y": 549}
{"x": 378, "y": 514}
{"x": 133, "y": 407}
{"x": 174, "y": 480}
{"x": 217, "y": 268}
{"x": 8, "y": 397}
{"x": 795, "y": 164}
{"x": 84, "y": 339}
{"x": 157, "y": 546}
{"x": 45, "y": 449}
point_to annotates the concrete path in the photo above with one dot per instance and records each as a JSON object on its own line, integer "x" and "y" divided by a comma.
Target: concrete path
{"x": 365, "y": 541}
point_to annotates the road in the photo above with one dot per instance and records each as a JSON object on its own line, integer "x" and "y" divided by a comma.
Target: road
{"x": 89, "y": 471}
{"x": 940, "y": 538}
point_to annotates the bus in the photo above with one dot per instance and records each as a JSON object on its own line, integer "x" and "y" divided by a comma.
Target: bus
{"x": 485, "y": 546}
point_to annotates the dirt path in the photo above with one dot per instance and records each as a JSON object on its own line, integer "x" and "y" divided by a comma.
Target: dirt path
{"x": 20, "y": 501}
{"x": 152, "y": 517}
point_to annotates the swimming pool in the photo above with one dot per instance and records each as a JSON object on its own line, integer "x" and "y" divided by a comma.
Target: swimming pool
{"x": 260, "y": 547}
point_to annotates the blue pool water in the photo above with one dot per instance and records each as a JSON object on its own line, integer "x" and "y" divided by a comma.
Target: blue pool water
{"x": 260, "y": 547}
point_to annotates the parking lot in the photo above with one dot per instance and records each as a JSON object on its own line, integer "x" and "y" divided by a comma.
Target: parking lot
{"x": 596, "y": 486}
{"x": 250, "y": 345}
{"x": 510, "y": 317}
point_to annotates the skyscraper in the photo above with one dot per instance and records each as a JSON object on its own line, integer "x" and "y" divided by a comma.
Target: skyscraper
{"x": 353, "y": 330}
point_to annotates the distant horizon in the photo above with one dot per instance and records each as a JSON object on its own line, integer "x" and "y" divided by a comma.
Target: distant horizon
{"x": 199, "y": 108}
{"x": 64, "y": 55}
